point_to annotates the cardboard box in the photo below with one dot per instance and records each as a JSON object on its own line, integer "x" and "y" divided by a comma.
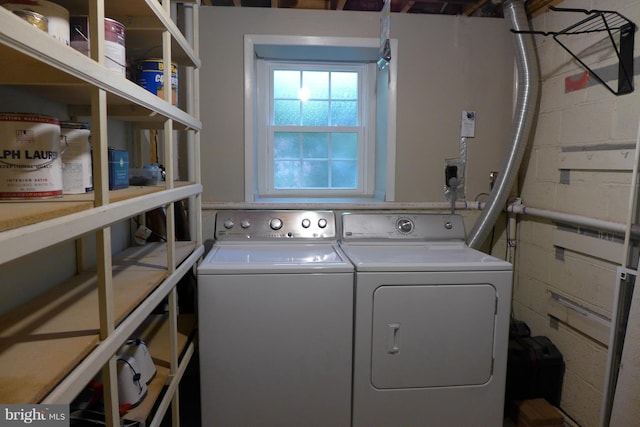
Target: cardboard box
{"x": 538, "y": 413}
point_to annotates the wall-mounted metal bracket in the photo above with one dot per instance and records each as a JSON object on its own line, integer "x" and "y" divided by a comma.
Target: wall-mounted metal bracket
{"x": 620, "y": 31}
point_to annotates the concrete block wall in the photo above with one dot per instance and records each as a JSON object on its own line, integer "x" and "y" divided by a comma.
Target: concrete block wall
{"x": 590, "y": 117}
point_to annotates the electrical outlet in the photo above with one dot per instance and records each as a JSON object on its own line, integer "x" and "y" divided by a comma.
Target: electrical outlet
{"x": 453, "y": 168}
{"x": 450, "y": 171}
{"x": 454, "y": 185}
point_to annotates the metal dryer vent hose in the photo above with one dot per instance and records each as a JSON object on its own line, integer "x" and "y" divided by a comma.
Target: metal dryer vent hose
{"x": 527, "y": 101}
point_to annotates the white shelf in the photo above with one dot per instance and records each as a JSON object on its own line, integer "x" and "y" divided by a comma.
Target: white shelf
{"x": 53, "y": 345}
{"x": 63, "y": 324}
{"x": 54, "y": 222}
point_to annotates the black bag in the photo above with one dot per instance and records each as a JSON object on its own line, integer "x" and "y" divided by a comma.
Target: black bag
{"x": 535, "y": 368}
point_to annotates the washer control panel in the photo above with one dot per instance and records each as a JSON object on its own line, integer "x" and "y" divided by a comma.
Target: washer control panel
{"x": 275, "y": 224}
{"x": 381, "y": 226}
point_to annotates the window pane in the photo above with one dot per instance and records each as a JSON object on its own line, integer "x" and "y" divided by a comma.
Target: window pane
{"x": 344, "y": 85}
{"x": 286, "y": 145}
{"x": 344, "y": 113}
{"x": 317, "y": 83}
{"x": 286, "y": 84}
{"x": 315, "y": 174}
{"x": 286, "y": 113}
{"x": 286, "y": 174}
{"x": 315, "y": 113}
{"x": 315, "y": 145}
{"x": 344, "y": 146}
{"x": 344, "y": 174}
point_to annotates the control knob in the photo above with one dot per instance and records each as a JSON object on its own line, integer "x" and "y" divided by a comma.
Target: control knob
{"x": 306, "y": 223}
{"x": 322, "y": 223}
{"x": 275, "y": 223}
{"x": 404, "y": 225}
{"x": 245, "y": 223}
{"x": 228, "y": 223}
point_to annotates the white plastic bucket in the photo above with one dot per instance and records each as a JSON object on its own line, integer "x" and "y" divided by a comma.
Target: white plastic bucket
{"x": 30, "y": 156}
{"x": 131, "y": 387}
{"x": 138, "y": 349}
{"x": 77, "y": 175}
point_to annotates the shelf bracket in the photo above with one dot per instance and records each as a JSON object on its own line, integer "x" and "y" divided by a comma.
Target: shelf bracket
{"x": 617, "y": 27}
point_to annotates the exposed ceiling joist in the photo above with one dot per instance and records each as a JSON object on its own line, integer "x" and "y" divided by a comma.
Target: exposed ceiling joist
{"x": 535, "y": 7}
{"x": 438, "y": 7}
{"x": 469, "y": 10}
{"x": 408, "y": 4}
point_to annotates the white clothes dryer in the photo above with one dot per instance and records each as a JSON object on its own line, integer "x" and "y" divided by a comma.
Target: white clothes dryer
{"x": 431, "y": 323}
{"x": 275, "y": 307}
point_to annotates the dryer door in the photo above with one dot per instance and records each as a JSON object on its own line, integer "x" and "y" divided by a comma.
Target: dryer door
{"x": 432, "y": 335}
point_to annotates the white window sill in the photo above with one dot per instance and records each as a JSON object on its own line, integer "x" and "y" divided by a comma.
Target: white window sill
{"x": 343, "y": 205}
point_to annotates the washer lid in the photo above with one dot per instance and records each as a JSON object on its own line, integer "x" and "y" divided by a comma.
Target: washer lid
{"x": 421, "y": 257}
{"x": 272, "y": 258}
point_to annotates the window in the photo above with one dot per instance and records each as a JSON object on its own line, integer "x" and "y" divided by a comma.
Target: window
{"x": 316, "y": 138}
{"x": 312, "y": 131}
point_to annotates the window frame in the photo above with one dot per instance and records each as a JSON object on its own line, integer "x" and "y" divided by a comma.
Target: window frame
{"x": 329, "y": 48}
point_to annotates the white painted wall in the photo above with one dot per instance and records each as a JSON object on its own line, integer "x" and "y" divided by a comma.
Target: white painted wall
{"x": 588, "y": 117}
{"x": 446, "y": 64}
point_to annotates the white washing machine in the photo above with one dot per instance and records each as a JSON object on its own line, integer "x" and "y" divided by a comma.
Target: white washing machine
{"x": 275, "y": 304}
{"x": 431, "y": 323}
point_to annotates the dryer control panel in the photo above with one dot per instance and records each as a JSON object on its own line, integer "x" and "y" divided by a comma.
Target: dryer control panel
{"x": 381, "y": 226}
{"x": 275, "y": 225}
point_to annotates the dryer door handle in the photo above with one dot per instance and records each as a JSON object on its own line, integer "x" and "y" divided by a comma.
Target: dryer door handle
{"x": 393, "y": 338}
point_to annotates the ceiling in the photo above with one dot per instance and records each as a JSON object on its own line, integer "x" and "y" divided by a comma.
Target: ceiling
{"x": 489, "y": 8}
